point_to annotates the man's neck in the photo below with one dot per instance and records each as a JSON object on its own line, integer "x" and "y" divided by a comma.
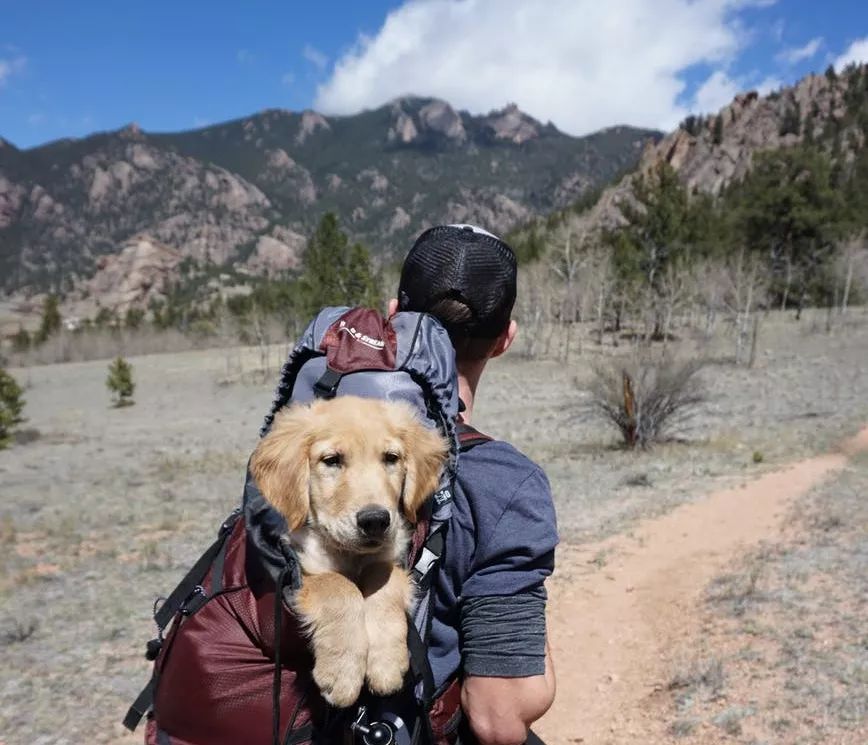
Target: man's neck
{"x": 468, "y": 380}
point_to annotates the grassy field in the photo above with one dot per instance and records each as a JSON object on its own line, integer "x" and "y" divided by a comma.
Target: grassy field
{"x": 105, "y": 508}
{"x": 784, "y": 653}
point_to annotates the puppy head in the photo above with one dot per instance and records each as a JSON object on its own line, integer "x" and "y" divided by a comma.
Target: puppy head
{"x": 350, "y": 468}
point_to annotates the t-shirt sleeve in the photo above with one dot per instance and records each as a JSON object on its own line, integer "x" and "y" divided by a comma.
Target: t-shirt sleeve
{"x": 516, "y": 539}
{"x": 503, "y": 597}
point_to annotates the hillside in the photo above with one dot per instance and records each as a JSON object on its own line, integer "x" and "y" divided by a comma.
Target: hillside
{"x": 243, "y": 195}
{"x": 712, "y": 154}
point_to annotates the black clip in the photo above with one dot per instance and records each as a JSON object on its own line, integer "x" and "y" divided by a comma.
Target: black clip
{"x": 327, "y": 385}
{"x": 153, "y": 647}
{"x": 194, "y": 601}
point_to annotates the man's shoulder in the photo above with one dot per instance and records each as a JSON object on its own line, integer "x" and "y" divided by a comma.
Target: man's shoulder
{"x": 496, "y": 470}
{"x": 498, "y": 454}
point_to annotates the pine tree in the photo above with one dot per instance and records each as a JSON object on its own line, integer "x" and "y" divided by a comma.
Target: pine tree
{"x": 659, "y": 233}
{"x": 336, "y": 273}
{"x": 790, "y": 210}
{"x": 362, "y": 283}
{"x": 51, "y": 319}
{"x": 21, "y": 340}
{"x": 120, "y": 382}
{"x": 11, "y": 406}
{"x": 717, "y": 134}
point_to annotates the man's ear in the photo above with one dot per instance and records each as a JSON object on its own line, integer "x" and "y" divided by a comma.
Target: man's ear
{"x": 281, "y": 465}
{"x": 505, "y": 340}
{"x": 425, "y": 456}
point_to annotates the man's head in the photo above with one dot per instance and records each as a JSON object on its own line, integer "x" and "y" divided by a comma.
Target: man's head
{"x": 466, "y": 278}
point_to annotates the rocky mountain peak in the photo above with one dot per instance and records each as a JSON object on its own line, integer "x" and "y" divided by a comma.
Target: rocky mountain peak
{"x": 712, "y": 152}
{"x": 512, "y": 124}
{"x": 438, "y": 116}
{"x": 131, "y": 132}
{"x": 403, "y": 127}
{"x": 311, "y": 122}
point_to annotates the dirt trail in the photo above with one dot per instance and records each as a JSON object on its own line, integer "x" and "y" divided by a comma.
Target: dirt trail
{"x": 614, "y": 628}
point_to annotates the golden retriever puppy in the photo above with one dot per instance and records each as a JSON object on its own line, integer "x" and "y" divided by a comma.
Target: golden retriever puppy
{"x": 349, "y": 474}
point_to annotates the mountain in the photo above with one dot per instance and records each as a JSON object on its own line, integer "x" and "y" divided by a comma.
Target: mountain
{"x": 241, "y": 197}
{"x": 712, "y": 153}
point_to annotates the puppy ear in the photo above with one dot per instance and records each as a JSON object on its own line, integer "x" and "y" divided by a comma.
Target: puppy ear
{"x": 281, "y": 465}
{"x": 426, "y": 453}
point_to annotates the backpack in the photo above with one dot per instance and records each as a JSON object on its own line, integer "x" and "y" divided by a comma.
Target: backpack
{"x": 224, "y": 637}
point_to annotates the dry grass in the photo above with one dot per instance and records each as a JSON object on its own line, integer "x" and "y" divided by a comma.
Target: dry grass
{"x": 788, "y": 623}
{"x": 117, "y": 503}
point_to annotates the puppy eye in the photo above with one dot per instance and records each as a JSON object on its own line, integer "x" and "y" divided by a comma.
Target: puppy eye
{"x": 390, "y": 457}
{"x": 332, "y": 460}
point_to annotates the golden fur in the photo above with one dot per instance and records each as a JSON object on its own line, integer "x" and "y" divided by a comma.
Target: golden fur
{"x": 322, "y": 466}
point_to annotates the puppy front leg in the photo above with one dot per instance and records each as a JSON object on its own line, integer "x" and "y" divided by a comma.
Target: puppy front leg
{"x": 332, "y": 610}
{"x": 388, "y": 594}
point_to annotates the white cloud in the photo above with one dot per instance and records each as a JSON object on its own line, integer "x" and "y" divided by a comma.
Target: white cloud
{"x": 288, "y": 78}
{"x": 856, "y": 53}
{"x": 716, "y": 92}
{"x": 794, "y": 55}
{"x": 582, "y": 64}
{"x": 317, "y": 58}
{"x": 769, "y": 84}
{"x": 10, "y": 67}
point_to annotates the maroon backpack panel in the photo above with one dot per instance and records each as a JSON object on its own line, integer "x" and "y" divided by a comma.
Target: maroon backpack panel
{"x": 216, "y": 669}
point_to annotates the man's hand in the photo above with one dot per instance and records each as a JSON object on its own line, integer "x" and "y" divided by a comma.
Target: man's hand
{"x": 500, "y": 710}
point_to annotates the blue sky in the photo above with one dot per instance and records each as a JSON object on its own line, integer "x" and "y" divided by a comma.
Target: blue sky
{"x": 70, "y": 68}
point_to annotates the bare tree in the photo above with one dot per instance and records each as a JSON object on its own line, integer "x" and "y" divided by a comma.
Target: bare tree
{"x": 745, "y": 288}
{"x": 534, "y": 308}
{"x": 852, "y": 251}
{"x": 566, "y": 260}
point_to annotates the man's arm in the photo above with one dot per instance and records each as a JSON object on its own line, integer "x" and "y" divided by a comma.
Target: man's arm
{"x": 500, "y": 710}
{"x": 508, "y": 675}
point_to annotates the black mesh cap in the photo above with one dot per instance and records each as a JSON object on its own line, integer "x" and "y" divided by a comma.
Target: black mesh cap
{"x": 464, "y": 263}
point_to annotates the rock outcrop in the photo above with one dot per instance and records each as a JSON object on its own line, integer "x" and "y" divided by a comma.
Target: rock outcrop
{"x": 710, "y": 153}
{"x": 139, "y": 273}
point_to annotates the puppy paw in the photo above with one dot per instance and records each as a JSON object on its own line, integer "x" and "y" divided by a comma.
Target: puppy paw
{"x": 340, "y": 677}
{"x": 388, "y": 662}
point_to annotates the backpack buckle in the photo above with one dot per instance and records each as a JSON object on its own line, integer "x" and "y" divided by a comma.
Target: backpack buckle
{"x": 327, "y": 385}
{"x": 193, "y": 601}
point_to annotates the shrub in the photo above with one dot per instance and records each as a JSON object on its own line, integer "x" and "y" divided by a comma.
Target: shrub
{"x": 21, "y": 341}
{"x": 11, "y": 406}
{"x": 51, "y": 319}
{"x": 647, "y": 400}
{"x": 120, "y": 382}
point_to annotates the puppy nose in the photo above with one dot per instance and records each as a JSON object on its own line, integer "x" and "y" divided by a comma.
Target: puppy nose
{"x": 373, "y": 521}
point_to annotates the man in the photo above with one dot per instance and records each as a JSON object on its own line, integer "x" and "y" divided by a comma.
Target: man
{"x": 218, "y": 675}
{"x": 489, "y": 612}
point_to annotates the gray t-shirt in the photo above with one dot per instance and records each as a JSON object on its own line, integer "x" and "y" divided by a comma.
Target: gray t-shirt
{"x": 499, "y": 549}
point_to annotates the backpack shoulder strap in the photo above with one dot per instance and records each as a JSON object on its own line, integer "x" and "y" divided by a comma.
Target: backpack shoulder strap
{"x": 186, "y": 598}
{"x": 469, "y": 437}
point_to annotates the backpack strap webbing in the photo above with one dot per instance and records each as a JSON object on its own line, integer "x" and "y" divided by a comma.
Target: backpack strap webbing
{"x": 186, "y": 598}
